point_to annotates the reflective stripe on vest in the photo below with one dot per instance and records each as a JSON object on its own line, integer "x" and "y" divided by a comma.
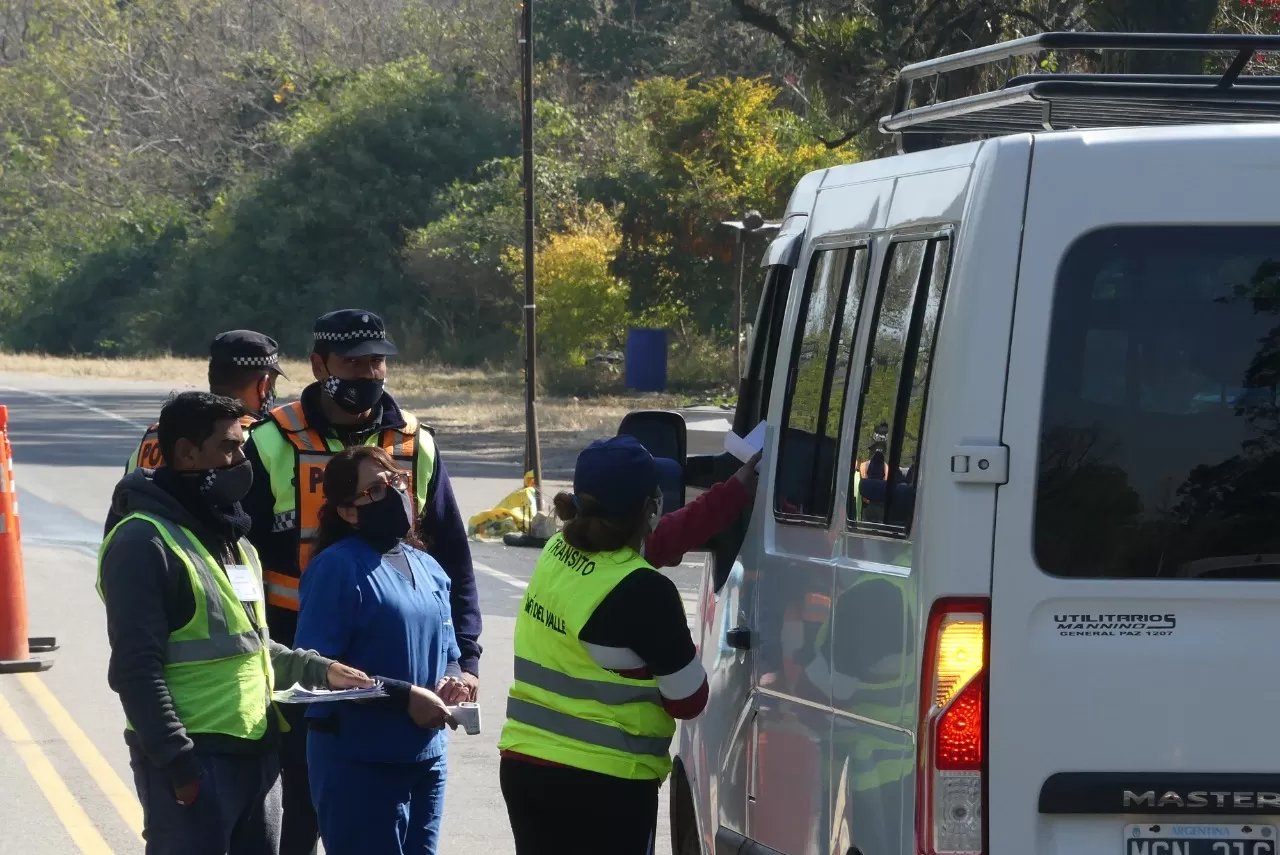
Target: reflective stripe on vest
{"x": 213, "y": 662}
{"x": 614, "y": 694}
{"x": 564, "y": 707}
{"x": 281, "y": 589}
{"x": 583, "y": 730}
{"x": 295, "y": 457}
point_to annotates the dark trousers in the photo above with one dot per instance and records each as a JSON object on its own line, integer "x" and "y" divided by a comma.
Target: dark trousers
{"x": 375, "y": 808}
{"x": 560, "y": 811}
{"x": 237, "y": 810}
{"x": 299, "y": 831}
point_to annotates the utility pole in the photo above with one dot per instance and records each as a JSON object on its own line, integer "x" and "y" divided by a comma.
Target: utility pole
{"x": 741, "y": 247}
{"x": 751, "y": 223}
{"x": 532, "y": 447}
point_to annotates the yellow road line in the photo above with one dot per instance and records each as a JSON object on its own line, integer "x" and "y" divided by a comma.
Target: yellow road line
{"x": 120, "y": 795}
{"x": 68, "y": 810}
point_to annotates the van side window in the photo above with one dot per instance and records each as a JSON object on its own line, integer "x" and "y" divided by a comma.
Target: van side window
{"x": 886, "y": 460}
{"x": 1160, "y": 427}
{"x": 816, "y": 385}
{"x": 762, "y": 355}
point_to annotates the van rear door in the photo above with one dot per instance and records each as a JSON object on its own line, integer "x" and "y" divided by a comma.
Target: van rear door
{"x": 1136, "y": 582}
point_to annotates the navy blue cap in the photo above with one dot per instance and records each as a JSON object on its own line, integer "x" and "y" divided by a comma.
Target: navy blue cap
{"x": 245, "y": 349}
{"x": 352, "y": 332}
{"x": 620, "y": 474}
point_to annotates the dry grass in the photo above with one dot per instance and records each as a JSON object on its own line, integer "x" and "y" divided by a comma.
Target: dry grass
{"x": 460, "y": 401}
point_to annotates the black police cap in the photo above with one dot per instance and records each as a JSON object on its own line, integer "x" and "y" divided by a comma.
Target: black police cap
{"x": 245, "y": 349}
{"x": 352, "y": 332}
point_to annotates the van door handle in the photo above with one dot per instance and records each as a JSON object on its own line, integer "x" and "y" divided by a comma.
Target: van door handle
{"x": 739, "y": 638}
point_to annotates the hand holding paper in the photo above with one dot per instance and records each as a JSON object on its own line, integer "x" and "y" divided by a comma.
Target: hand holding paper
{"x": 745, "y": 448}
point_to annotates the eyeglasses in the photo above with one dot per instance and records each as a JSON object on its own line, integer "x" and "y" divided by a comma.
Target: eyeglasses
{"x": 378, "y": 491}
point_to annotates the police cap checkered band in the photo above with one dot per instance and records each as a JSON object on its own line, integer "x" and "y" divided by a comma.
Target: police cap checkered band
{"x": 354, "y": 335}
{"x": 351, "y": 333}
{"x": 245, "y": 349}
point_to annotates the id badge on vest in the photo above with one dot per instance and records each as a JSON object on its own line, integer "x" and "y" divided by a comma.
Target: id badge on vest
{"x": 247, "y": 585}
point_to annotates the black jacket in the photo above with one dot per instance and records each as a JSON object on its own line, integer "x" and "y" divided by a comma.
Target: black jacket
{"x": 148, "y": 595}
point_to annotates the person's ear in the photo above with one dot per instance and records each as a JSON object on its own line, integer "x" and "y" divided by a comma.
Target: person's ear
{"x": 185, "y": 455}
{"x": 348, "y": 514}
{"x": 318, "y": 368}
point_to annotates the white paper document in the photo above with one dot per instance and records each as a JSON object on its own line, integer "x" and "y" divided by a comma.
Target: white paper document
{"x": 745, "y": 448}
{"x": 295, "y": 694}
{"x": 245, "y": 582}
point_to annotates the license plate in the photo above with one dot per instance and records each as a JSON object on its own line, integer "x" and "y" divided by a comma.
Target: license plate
{"x": 1177, "y": 838}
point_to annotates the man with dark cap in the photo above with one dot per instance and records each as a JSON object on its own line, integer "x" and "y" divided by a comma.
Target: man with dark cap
{"x": 243, "y": 365}
{"x": 346, "y": 406}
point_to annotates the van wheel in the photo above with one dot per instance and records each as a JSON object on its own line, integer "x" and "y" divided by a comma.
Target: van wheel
{"x": 684, "y": 820}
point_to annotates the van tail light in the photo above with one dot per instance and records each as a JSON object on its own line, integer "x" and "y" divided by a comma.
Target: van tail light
{"x": 951, "y": 807}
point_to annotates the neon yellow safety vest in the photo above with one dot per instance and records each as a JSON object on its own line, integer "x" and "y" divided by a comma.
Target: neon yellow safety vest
{"x": 295, "y": 456}
{"x": 563, "y": 707}
{"x": 217, "y": 666}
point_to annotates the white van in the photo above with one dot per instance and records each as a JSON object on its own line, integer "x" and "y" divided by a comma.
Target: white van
{"x": 1011, "y": 584}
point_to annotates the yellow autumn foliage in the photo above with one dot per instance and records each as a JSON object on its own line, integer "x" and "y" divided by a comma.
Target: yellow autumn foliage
{"x": 582, "y": 306}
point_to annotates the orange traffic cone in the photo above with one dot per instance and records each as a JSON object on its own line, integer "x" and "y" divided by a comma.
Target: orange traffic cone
{"x": 15, "y": 646}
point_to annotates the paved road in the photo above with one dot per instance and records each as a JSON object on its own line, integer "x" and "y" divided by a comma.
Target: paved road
{"x": 65, "y": 784}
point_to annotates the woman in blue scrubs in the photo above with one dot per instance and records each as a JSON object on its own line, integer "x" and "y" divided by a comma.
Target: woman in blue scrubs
{"x": 373, "y": 597}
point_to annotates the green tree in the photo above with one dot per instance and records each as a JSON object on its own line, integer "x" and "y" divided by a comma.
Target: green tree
{"x": 328, "y": 226}
{"x": 714, "y": 150}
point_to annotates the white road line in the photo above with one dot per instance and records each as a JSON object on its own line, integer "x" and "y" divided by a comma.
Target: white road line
{"x": 500, "y": 576}
{"x": 82, "y": 404}
{"x": 84, "y": 547}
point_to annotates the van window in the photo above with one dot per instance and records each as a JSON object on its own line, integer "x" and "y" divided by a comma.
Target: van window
{"x": 1160, "y": 431}
{"x": 762, "y": 354}
{"x": 816, "y": 385}
{"x": 891, "y": 412}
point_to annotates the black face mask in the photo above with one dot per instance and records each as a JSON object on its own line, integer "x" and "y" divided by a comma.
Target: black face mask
{"x": 385, "y": 522}
{"x": 224, "y": 486}
{"x": 354, "y": 396}
{"x": 268, "y": 402}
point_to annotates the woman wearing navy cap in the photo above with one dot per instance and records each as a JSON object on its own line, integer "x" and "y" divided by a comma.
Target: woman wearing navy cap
{"x": 604, "y": 666}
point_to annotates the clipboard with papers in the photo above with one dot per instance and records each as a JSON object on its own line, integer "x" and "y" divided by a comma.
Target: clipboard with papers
{"x": 296, "y": 694}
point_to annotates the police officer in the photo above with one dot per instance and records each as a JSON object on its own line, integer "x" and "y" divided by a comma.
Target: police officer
{"x": 243, "y": 365}
{"x": 346, "y": 406}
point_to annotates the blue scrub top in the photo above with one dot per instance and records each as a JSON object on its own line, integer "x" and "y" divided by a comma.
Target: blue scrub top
{"x": 359, "y": 609}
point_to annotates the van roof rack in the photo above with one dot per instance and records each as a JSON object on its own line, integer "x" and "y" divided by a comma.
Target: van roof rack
{"x": 1050, "y": 101}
